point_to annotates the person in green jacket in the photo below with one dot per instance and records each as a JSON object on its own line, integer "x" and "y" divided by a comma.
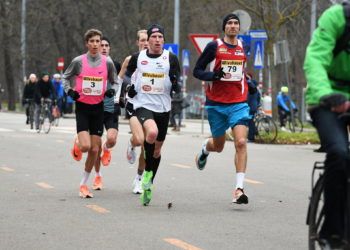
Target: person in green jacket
{"x": 327, "y": 95}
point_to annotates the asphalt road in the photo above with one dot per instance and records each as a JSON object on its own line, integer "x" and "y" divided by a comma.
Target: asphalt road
{"x": 40, "y": 207}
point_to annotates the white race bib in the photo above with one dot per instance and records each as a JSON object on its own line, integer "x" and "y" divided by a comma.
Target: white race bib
{"x": 152, "y": 83}
{"x": 92, "y": 85}
{"x": 233, "y": 70}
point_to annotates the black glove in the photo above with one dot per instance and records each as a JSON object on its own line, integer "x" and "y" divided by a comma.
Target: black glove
{"x": 332, "y": 100}
{"x": 251, "y": 87}
{"x": 110, "y": 93}
{"x": 74, "y": 94}
{"x": 218, "y": 74}
{"x": 131, "y": 91}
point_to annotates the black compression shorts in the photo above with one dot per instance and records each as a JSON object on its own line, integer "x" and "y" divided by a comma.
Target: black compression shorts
{"x": 89, "y": 117}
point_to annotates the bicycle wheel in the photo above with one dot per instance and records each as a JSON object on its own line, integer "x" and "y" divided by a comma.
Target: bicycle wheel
{"x": 266, "y": 129}
{"x": 315, "y": 215}
{"x": 298, "y": 126}
{"x": 46, "y": 123}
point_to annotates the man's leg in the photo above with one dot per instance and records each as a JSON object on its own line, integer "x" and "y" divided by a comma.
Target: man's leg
{"x": 36, "y": 115}
{"x": 136, "y": 139}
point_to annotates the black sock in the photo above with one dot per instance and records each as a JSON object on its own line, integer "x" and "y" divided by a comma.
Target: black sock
{"x": 156, "y": 162}
{"x": 149, "y": 151}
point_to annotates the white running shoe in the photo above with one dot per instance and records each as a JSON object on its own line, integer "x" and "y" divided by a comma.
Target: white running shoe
{"x": 137, "y": 186}
{"x": 130, "y": 153}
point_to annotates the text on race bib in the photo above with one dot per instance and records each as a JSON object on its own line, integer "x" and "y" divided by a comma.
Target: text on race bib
{"x": 152, "y": 83}
{"x": 233, "y": 70}
{"x": 92, "y": 85}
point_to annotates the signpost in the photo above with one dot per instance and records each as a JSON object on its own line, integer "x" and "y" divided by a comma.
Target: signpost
{"x": 60, "y": 65}
{"x": 172, "y": 47}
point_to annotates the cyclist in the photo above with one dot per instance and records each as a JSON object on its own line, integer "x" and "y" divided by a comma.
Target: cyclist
{"x": 135, "y": 125}
{"x": 110, "y": 121}
{"x": 327, "y": 96}
{"x": 157, "y": 74}
{"x": 28, "y": 94}
{"x": 283, "y": 101}
{"x": 56, "y": 81}
{"x": 44, "y": 90}
{"x": 90, "y": 72}
{"x": 226, "y": 99}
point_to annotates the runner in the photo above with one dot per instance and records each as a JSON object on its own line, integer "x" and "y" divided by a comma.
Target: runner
{"x": 135, "y": 126}
{"x": 90, "y": 72}
{"x": 157, "y": 74}
{"x": 110, "y": 121}
{"x": 226, "y": 99}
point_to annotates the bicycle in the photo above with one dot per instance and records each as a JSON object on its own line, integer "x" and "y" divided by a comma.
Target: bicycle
{"x": 315, "y": 214}
{"x": 293, "y": 122}
{"x": 45, "y": 119}
{"x": 30, "y": 102}
{"x": 266, "y": 128}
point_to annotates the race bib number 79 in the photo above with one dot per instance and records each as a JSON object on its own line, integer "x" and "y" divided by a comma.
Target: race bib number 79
{"x": 233, "y": 70}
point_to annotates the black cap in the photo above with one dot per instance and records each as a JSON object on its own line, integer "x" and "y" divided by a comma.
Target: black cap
{"x": 228, "y": 17}
{"x": 45, "y": 74}
{"x": 155, "y": 28}
{"x": 106, "y": 39}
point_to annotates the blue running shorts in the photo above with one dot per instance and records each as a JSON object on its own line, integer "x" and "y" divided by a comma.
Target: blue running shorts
{"x": 221, "y": 118}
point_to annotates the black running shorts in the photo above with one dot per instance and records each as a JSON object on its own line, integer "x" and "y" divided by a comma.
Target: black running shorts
{"x": 129, "y": 109}
{"x": 110, "y": 120}
{"x": 161, "y": 119}
{"x": 89, "y": 117}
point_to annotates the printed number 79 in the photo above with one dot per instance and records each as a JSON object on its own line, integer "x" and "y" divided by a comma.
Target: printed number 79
{"x": 232, "y": 68}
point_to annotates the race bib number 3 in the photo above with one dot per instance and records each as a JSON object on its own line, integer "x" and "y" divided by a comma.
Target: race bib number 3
{"x": 233, "y": 70}
{"x": 92, "y": 85}
{"x": 152, "y": 83}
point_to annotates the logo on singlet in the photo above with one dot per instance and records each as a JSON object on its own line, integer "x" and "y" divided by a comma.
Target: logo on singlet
{"x": 144, "y": 62}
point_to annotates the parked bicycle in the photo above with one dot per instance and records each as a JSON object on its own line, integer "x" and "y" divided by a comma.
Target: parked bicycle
{"x": 30, "y": 103}
{"x": 266, "y": 128}
{"x": 45, "y": 119}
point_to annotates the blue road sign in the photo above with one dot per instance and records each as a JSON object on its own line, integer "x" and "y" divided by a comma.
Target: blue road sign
{"x": 259, "y": 54}
{"x": 172, "y": 47}
{"x": 185, "y": 58}
{"x": 246, "y": 39}
{"x": 258, "y": 34}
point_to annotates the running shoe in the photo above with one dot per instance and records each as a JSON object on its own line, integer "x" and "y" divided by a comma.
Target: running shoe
{"x": 137, "y": 186}
{"x": 147, "y": 187}
{"x": 201, "y": 158}
{"x": 84, "y": 192}
{"x": 106, "y": 157}
{"x": 130, "y": 153}
{"x": 239, "y": 197}
{"x": 97, "y": 183}
{"x": 76, "y": 153}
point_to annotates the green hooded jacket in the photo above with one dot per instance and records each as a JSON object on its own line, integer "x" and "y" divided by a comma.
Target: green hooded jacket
{"x": 319, "y": 59}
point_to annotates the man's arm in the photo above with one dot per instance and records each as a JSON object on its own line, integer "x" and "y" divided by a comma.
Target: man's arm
{"x": 204, "y": 59}
{"x": 130, "y": 69}
{"x": 73, "y": 69}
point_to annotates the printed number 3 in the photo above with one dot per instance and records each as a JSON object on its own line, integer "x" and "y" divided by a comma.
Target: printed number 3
{"x": 92, "y": 84}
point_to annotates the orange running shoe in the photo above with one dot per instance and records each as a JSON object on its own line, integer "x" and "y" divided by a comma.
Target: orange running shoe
{"x": 106, "y": 157}
{"x": 84, "y": 192}
{"x": 76, "y": 153}
{"x": 97, "y": 183}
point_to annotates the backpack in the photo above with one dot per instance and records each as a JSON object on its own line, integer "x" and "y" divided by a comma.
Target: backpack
{"x": 343, "y": 41}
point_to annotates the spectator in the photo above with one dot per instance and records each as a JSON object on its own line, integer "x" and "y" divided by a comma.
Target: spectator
{"x": 176, "y": 110}
{"x": 254, "y": 103}
{"x": 57, "y": 83}
{"x": 28, "y": 94}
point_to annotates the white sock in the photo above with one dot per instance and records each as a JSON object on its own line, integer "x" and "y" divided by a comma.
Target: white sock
{"x": 105, "y": 147}
{"x": 239, "y": 180}
{"x": 98, "y": 174}
{"x": 204, "y": 148}
{"x": 139, "y": 177}
{"x": 85, "y": 178}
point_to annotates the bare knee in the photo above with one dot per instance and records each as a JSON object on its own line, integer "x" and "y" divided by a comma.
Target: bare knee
{"x": 111, "y": 140}
{"x": 84, "y": 147}
{"x": 151, "y": 136}
{"x": 241, "y": 144}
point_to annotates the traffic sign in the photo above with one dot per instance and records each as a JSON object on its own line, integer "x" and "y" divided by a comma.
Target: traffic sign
{"x": 258, "y": 34}
{"x": 60, "y": 64}
{"x": 258, "y": 55}
{"x": 246, "y": 39}
{"x": 201, "y": 40}
{"x": 172, "y": 47}
{"x": 185, "y": 58}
